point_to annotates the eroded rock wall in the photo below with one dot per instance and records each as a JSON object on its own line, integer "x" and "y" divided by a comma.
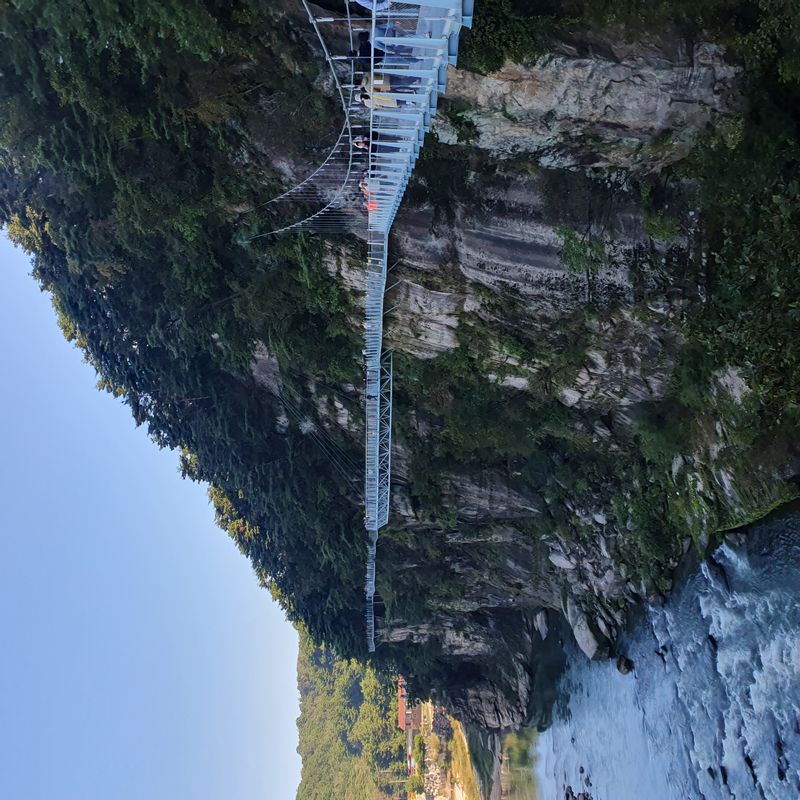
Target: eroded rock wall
{"x": 600, "y": 101}
{"x": 514, "y": 556}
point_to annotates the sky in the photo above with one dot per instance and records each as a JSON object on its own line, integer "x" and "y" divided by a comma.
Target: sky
{"x": 139, "y": 659}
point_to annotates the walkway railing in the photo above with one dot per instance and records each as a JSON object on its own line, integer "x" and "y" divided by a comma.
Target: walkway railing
{"x": 393, "y": 74}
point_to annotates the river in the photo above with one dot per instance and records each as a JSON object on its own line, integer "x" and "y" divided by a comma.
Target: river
{"x": 712, "y": 707}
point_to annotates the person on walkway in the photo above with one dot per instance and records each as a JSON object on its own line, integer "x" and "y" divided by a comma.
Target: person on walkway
{"x": 363, "y": 184}
{"x": 380, "y": 143}
{"x": 363, "y": 56}
{"x": 385, "y": 54}
{"x": 375, "y": 93}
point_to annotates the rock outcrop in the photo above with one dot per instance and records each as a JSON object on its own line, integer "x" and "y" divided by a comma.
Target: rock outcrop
{"x": 589, "y": 638}
{"x": 599, "y": 101}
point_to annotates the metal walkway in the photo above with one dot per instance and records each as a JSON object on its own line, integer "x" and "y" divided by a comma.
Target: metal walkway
{"x": 388, "y": 85}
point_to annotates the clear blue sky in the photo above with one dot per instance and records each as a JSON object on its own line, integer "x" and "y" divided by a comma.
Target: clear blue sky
{"x": 139, "y": 660}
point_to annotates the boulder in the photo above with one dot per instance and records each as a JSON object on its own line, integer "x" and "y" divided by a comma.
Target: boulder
{"x": 569, "y": 397}
{"x": 590, "y": 640}
{"x": 624, "y": 665}
{"x": 540, "y": 623}
{"x": 561, "y": 561}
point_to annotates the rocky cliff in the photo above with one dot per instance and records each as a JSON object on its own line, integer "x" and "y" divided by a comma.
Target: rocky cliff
{"x": 598, "y": 100}
{"x": 548, "y": 255}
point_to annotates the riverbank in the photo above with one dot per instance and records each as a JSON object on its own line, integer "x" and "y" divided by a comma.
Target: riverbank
{"x": 711, "y": 707}
{"x": 517, "y": 780}
{"x": 448, "y": 771}
{"x": 504, "y": 765}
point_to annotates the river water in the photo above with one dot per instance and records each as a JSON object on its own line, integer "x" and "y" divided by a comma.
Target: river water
{"x": 712, "y": 708}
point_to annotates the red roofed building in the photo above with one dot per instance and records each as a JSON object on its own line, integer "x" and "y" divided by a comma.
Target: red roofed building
{"x": 409, "y": 714}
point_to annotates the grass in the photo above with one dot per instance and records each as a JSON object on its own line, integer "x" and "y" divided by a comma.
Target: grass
{"x": 461, "y": 769}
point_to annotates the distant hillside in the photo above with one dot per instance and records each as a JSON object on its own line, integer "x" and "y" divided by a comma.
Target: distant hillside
{"x": 351, "y": 746}
{"x": 349, "y": 742}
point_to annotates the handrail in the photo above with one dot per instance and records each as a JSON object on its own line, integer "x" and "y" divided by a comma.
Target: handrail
{"x": 345, "y": 127}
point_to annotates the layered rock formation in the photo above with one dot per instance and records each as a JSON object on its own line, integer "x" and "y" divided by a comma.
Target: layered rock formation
{"x": 599, "y": 101}
{"x": 510, "y": 557}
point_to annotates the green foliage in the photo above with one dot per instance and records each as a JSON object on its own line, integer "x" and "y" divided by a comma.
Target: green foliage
{"x": 584, "y": 255}
{"x": 129, "y": 157}
{"x": 657, "y": 531}
{"x": 349, "y": 741}
{"x": 664, "y": 229}
{"x": 518, "y": 749}
{"x": 520, "y": 30}
{"x": 418, "y": 752}
{"x": 482, "y": 423}
{"x": 415, "y": 784}
{"x": 752, "y": 197}
{"x": 465, "y": 128}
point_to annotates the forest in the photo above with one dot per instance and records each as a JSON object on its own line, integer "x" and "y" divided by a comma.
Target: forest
{"x": 349, "y": 741}
{"x": 126, "y": 170}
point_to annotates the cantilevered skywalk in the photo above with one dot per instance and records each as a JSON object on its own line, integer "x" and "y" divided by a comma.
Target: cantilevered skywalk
{"x": 388, "y": 83}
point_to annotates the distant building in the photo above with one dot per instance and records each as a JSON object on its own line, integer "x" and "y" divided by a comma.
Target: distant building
{"x": 409, "y": 714}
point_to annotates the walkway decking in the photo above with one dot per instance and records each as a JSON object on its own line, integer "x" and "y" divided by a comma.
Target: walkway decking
{"x": 403, "y": 50}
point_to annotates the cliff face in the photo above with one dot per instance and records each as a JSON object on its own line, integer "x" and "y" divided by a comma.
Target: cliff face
{"x": 598, "y": 101}
{"x": 548, "y": 257}
{"x": 568, "y": 417}
{"x": 594, "y": 106}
